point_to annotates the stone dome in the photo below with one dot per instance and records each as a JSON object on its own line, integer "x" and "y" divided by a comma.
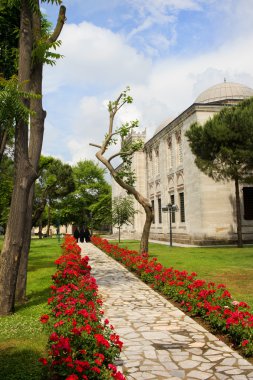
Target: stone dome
{"x": 225, "y": 91}
{"x": 163, "y": 125}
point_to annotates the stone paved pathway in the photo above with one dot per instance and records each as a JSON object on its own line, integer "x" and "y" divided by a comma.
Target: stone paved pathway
{"x": 160, "y": 341}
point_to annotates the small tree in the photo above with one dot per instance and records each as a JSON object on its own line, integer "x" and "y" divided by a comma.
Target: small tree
{"x": 125, "y": 176}
{"x": 54, "y": 183}
{"x": 122, "y": 212}
{"x": 224, "y": 149}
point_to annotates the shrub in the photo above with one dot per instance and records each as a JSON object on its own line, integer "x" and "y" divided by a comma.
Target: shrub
{"x": 81, "y": 345}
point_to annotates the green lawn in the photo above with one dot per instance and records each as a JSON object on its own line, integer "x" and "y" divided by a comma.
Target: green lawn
{"x": 22, "y": 340}
{"x": 228, "y": 265}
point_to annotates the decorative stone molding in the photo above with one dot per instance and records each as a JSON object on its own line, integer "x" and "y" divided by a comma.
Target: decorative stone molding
{"x": 156, "y": 149}
{"x": 169, "y": 141}
{"x": 180, "y": 179}
{"x": 178, "y": 135}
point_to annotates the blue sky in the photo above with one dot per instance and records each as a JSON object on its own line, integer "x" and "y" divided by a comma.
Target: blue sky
{"x": 167, "y": 51}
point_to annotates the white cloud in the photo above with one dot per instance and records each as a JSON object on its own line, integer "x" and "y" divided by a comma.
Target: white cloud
{"x": 95, "y": 56}
{"x": 98, "y": 64}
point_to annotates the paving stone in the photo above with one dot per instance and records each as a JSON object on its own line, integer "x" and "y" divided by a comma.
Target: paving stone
{"x": 189, "y": 364}
{"x": 199, "y": 375}
{"x": 178, "y": 373}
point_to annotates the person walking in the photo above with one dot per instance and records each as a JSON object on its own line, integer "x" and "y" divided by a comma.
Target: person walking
{"x": 87, "y": 234}
{"x": 81, "y": 233}
{"x": 76, "y": 234}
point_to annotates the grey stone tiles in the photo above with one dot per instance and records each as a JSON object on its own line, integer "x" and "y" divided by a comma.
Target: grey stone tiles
{"x": 160, "y": 341}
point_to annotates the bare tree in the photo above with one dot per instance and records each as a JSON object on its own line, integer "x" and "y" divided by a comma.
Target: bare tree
{"x": 125, "y": 176}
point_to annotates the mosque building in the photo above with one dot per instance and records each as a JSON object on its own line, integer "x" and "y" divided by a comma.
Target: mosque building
{"x": 166, "y": 174}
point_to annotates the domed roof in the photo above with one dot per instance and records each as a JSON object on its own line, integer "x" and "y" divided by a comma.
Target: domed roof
{"x": 225, "y": 91}
{"x": 163, "y": 125}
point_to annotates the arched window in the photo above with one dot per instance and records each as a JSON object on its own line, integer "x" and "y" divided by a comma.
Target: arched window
{"x": 179, "y": 149}
{"x": 169, "y": 154}
{"x": 157, "y": 162}
{"x": 150, "y": 165}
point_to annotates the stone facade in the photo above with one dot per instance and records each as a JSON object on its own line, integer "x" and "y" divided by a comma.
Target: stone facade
{"x": 166, "y": 173}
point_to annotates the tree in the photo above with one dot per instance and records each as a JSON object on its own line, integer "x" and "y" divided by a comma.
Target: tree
{"x": 122, "y": 212}
{"x": 125, "y": 176}
{"x": 54, "y": 183}
{"x": 91, "y": 190}
{"x": 223, "y": 147}
{"x": 44, "y": 40}
{"x": 86, "y": 204}
{"x": 102, "y": 212}
{"x": 32, "y": 49}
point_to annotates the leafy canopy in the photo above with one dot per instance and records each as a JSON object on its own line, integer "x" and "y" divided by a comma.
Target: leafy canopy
{"x": 223, "y": 146}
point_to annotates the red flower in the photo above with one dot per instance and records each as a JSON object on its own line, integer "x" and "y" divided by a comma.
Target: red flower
{"x": 44, "y": 318}
{"x": 101, "y": 340}
{"x": 54, "y": 337}
{"x": 72, "y": 377}
{"x": 96, "y": 369}
{"x": 43, "y": 361}
{"x": 245, "y": 342}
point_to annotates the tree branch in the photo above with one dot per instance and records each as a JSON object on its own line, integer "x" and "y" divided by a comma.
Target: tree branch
{"x": 120, "y": 154}
{"x": 97, "y": 146}
{"x": 60, "y": 22}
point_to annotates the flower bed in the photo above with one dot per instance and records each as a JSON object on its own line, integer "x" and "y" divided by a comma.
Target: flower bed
{"x": 208, "y": 300}
{"x": 80, "y": 345}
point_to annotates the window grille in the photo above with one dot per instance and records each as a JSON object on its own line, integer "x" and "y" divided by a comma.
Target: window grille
{"x": 248, "y": 203}
{"x": 159, "y": 210}
{"x": 182, "y": 210}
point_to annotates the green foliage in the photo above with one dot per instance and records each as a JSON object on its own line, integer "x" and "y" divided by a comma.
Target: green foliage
{"x": 91, "y": 197}
{"x": 55, "y": 181}
{"x": 42, "y": 49}
{"x": 6, "y": 186}
{"x": 224, "y": 145}
{"x": 122, "y": 211}
{"x": 113, "y": 106}
{"x": 9, "y": 25}
{"x": 102, "y": 210}
{"x": 12, "y": 107}
{"x": 122, "y": 135}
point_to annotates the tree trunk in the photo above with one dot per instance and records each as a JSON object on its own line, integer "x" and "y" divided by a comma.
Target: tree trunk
{"x": 119, "y": 234}
{"x": 23, "y": 178}
{"x": 40, "y": 229}
{"x": 20, "y": 295}
{"x": 146, "y": 229}
{"x": 11, "y": 252}
{"x": 48, "y": 218}
{"x": 144, "y": 202}
{"x": 238, "y": 214}
{"x": 38, "y": 212}
{"x": 35, "y": 145}
{"x": 3, "y": 141}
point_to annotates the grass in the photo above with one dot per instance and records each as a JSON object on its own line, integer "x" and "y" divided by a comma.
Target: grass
{"x": 231, "y": 266}
{"x": 22, "y": 340}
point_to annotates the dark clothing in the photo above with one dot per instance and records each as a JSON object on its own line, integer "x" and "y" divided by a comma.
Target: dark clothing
{"x": 87, "y": 235}
{"x": 76, "y": 234}
{"x": 81, "y": 235}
